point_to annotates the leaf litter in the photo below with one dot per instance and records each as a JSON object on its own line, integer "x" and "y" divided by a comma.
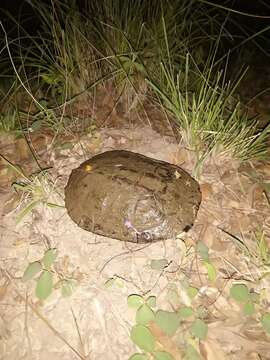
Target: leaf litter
{"x": 95, "y": 320}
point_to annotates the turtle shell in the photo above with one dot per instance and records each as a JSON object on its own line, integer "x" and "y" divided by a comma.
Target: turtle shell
{"x": 131, "y": 197}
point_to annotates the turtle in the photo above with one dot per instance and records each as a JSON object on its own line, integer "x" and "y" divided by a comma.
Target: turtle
{"x": 131, "y": 197}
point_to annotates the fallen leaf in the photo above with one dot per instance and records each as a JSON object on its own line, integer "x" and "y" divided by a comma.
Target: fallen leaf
{"x": 3, "y": 289}
{"x": 206, "y": 190}
{"x": 165, "y": 341}
{"x": 211, "y": 350}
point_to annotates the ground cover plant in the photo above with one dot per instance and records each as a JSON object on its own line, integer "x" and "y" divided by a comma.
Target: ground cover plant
{"x": 85, "y": 63}
{"x": 156, "y": 331}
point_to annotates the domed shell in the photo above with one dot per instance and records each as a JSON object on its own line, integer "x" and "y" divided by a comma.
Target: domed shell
{"x": 131, "y": 197}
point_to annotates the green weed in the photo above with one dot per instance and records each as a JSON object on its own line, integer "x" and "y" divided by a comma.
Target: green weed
{"x": 149, "y": 319}
{"x": 36, "y": 189}
{"x": 251, "y": 303}
{"x": 9, "y": 122}
{"x": 44, "y": 273}
{"x": 210, "y": 120}
{"x": 74, "y": 50}
{"x": 203, "y": 252}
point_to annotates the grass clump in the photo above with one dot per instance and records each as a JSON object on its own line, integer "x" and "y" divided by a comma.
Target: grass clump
{"x": 9, "y": 122}
{"x": 173, "y": 48}
{"x": 210, "y": 118}
{"x": 36, "y": 189}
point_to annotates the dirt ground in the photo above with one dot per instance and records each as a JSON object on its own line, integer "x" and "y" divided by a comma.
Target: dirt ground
{"x": 95, "y": 321}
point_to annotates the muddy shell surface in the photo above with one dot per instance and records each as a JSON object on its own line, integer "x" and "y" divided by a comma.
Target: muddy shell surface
{"x": 131, "y": 197}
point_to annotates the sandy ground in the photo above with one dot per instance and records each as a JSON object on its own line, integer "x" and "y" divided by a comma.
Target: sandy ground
{"x": 95, "y": 321}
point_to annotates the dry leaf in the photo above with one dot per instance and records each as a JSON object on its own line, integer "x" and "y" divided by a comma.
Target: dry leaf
{"x": 11, "y": 203}
{"x": 211, "y": 350}
{"x": 22, "y": 149}
{"x": 3, "y": 289}
{"x": 165, "y": 341}
{"x": 206, "y": 190}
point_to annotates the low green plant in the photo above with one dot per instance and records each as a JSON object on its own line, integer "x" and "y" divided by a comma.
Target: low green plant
{"x": 250, "y": 302}
{"x": 9, "y": 122}
{"x": 262, "y": 181}
{"x": 202, "y": 101}
{"x": 253, "y": 302}
{"x": 211, "y": 121}
{"x": 36, "y": 189}
{"x": 203, "y": 252}
{"x": 265, "y": 321}
{"x": 256, "y": 250}
{"x": 241, "y": 294}
{"x": 74, "y": 50}
{"x": 63, "y": 54}
{"x": 44, "y": 273}
{"x": 169, "y": 322}
{"x": 262, "y": 247}
{"x": 48, "y": 117}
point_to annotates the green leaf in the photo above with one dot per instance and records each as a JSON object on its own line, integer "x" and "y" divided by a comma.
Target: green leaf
{"x": 52, "y": 205}
{"x": 185, "y": 312}
{"x": 263, "y": 248}
{"x": 142, "y": 337}
{"x": 17, "y": 169}
{"x": 211, "y": 270}
{"x": 124, "y": 59}
{"x": 139, "y": 357}
{"x": 199, "y": 329}
{"x": 32, "y": 269}
{"x": 151, "y": 301}
{"x": 51, "y": 78}
{"x": 240, "y": 293}
{"x": 44, "y": 285}
{"x": 49, "y": 258}
{"x": 159, "y": 264}
{"x": 167, "y": 321}
{"x": 135, "y": 301}
{"x": 265, "y": 320}
{"x": 249, "y": 308}
{"x": 109, "y": 283}
{"x": 162, "y": 355}
{"x": 36, "y": 125}
{"x": 114, "y": 281}
{"x": 144, "y": 315}
{"x": 192, "y": 353}
{"x": 203, "y": 251}
{"x": 67, "y": 287}
{"x": 140, "y": 68}
{"x": 44, "y": 103}
{"x": 192, "y": 292}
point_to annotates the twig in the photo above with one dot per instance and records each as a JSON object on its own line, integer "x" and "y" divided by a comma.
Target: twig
{"x": 43, "y": 318}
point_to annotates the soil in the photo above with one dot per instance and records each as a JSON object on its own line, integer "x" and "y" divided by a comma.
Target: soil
{"x": 95, "y": 321}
